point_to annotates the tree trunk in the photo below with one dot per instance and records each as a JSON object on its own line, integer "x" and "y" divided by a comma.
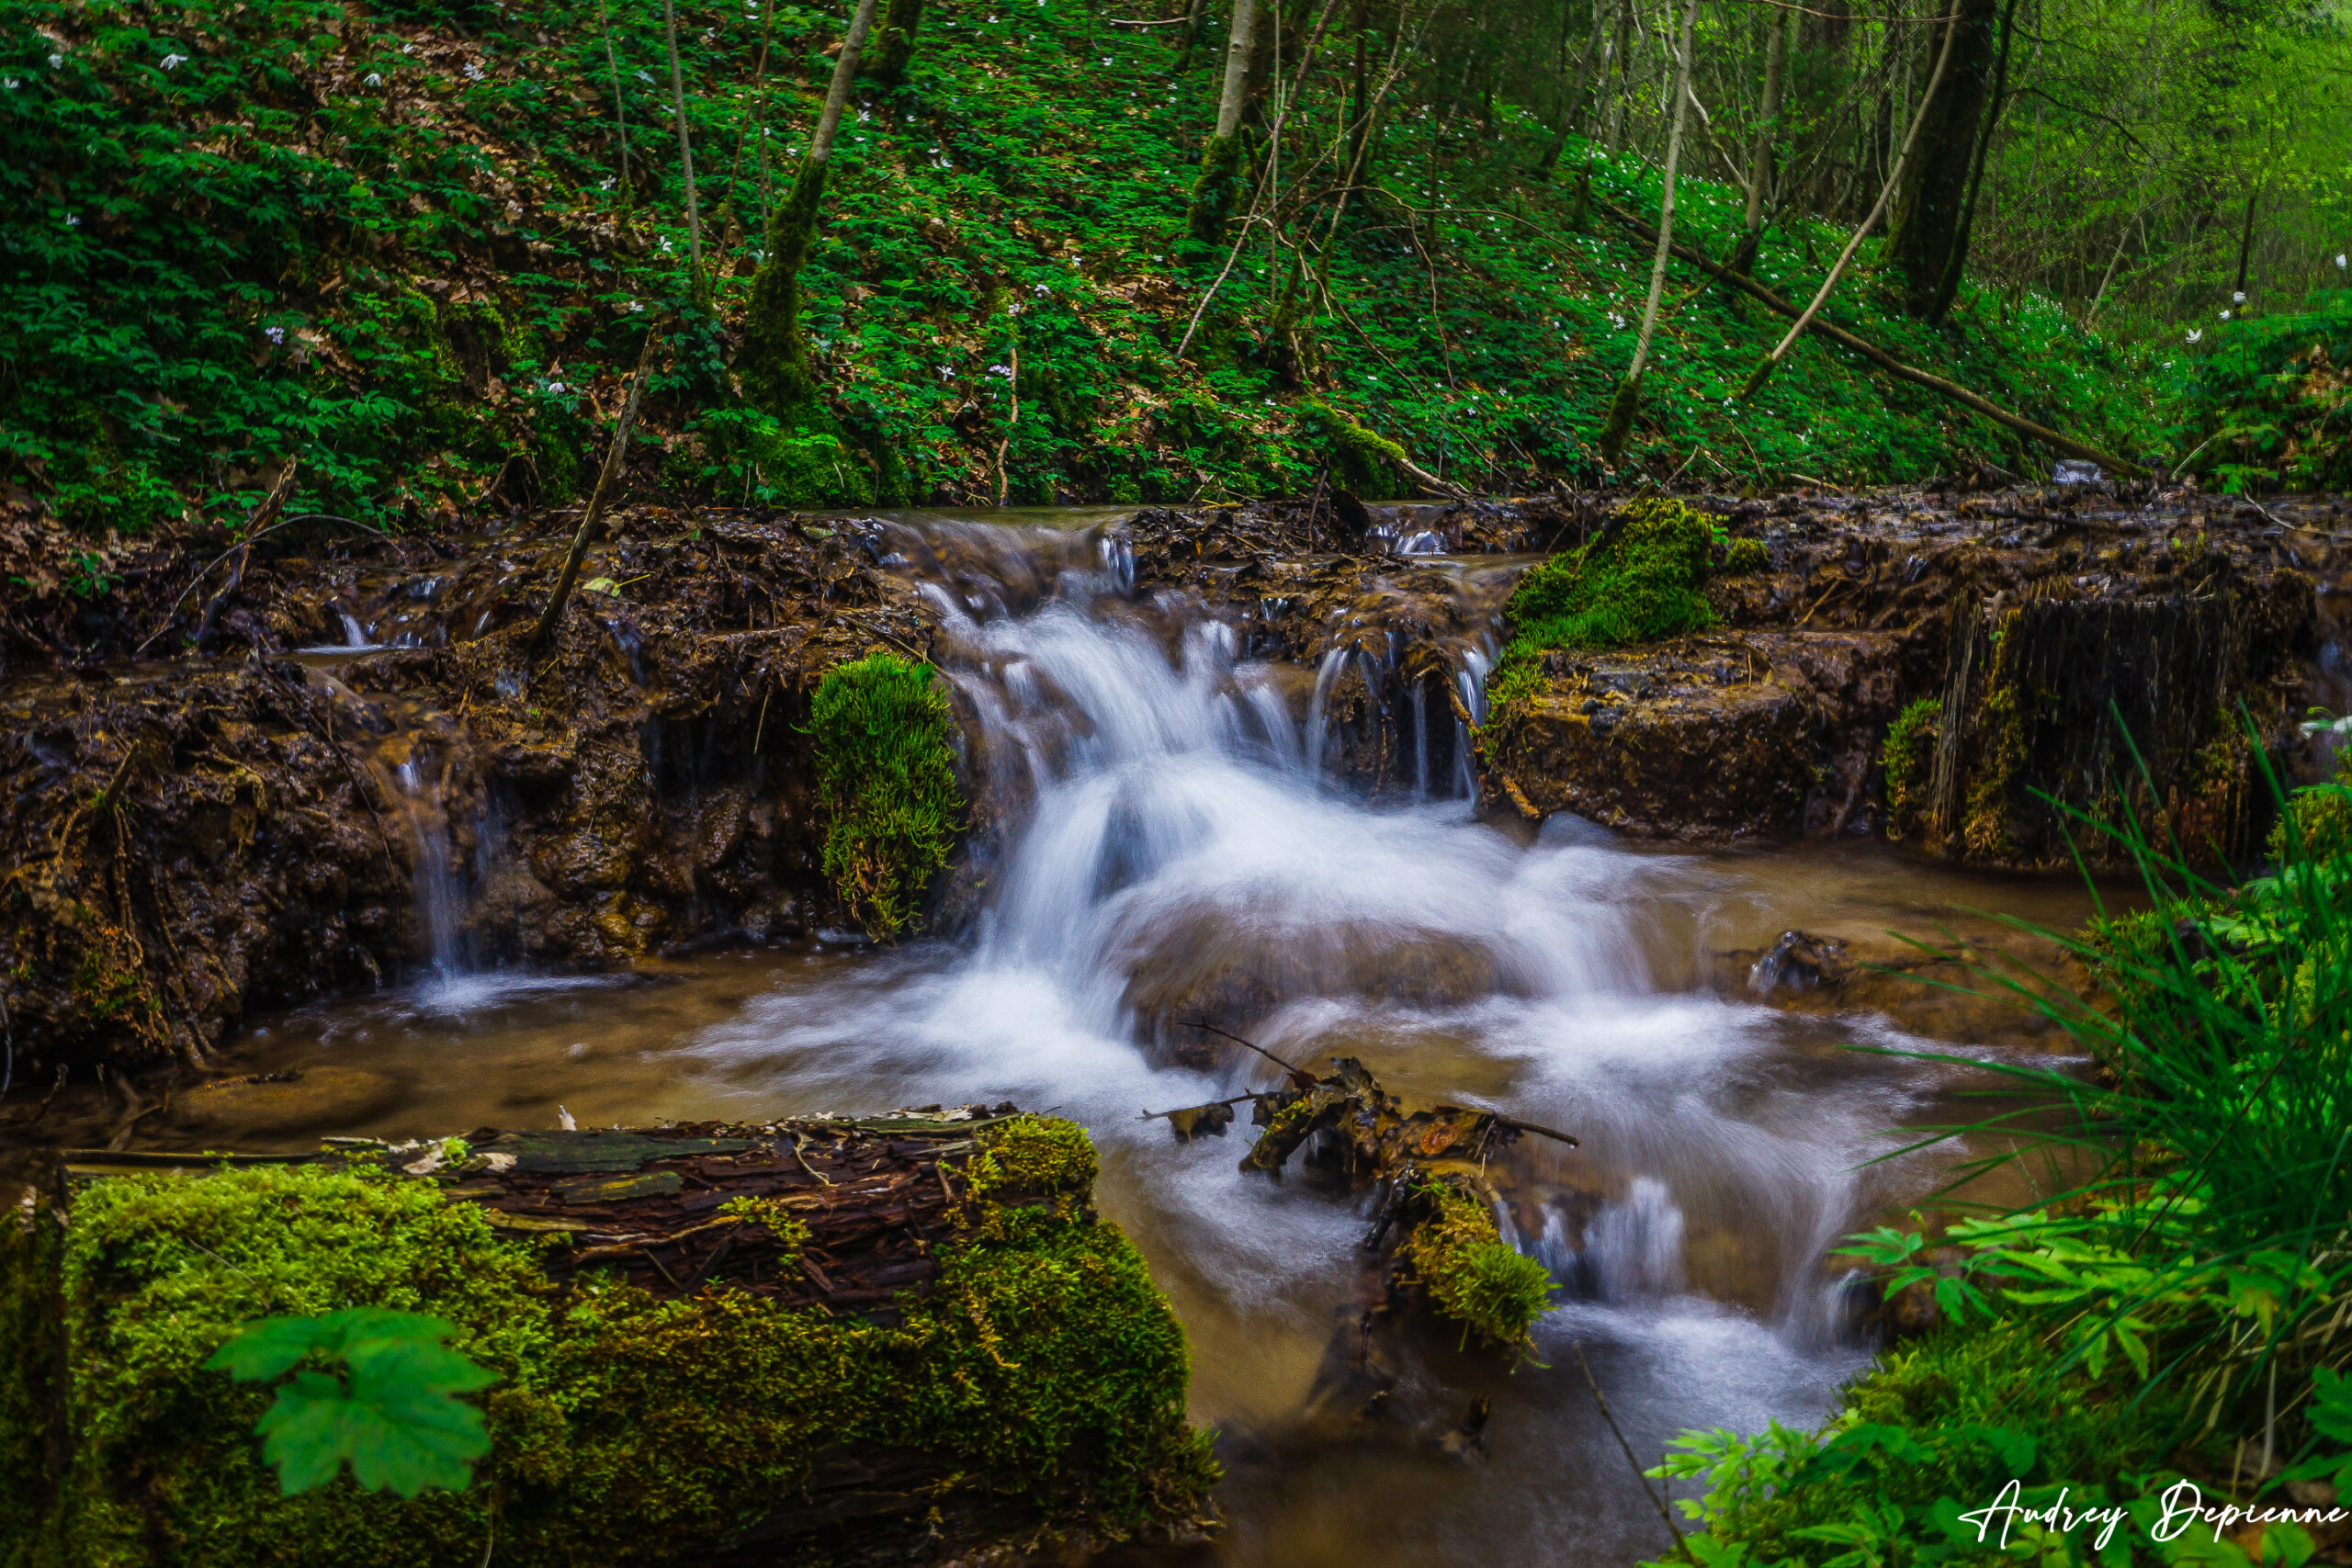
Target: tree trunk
{"x": 1932, "y": 199}
{"x": 1221, "y": 160}
{"x": 774, "y": 365}
{"x": 1620, "y": 58}
{"x": 606, "y": 477}
{"x": 2245, "y": 244}
{"x": 685, "y": 154}
{"x": 620, "y": 115}
{"x": 896, "y": 44}
{"x": 1953, "y": 269}
{"x": 1760, "y": 160}
{"x": 1620, "y": 423}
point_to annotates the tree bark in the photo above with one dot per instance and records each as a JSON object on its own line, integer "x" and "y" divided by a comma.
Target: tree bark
{"x": 1620, "y": 423}
{"x": 1221, "y": 160}
{"x": 1956, "y": 265}
{"x": 774, "y": 365}
{"x": 1619, "y": 57}
{"x": 1931, "y": 200}
{"x": 895, "y": 46}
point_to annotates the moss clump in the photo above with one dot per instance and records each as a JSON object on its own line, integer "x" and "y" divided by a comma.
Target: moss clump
{"x": 1744, "y": 556}
{"x": 1036, "y": 1155}
{"x": 1472, "y": 1275}
{"x": 1042, "y": 1374}
{"x": 2000, "y": 759}
{"x": 2319, "y": 817}
{"x": 1365, "y": 461}
{"x": 1905, "y": 759}
{"x": 886, "y": 777}
{"x": 1638, "y": 582}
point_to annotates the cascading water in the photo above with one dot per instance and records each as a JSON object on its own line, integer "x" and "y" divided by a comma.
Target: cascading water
{"x": 1178, "y": 852}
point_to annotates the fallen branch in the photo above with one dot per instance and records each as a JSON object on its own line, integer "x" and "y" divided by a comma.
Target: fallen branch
{"x": 256, "y": 523}
{"x": 1300, "y": 1078}
{"x": 553, "y": 613}
{"x": 1879, "y": 356}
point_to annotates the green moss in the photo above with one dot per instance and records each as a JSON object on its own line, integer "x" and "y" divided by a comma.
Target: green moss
{"x": 1035, "y": 1156}
{"x": 1212, "y": 202}
{"x": 1905, "y": 760}
{"x": 2000, "y": 759}
{"x": 1363, "y": 461}
{"x": 1472, "y": 1275}
{"x": 1743, "y": 556}
{"x": 1638, "y": 582}
{"x": 1044, "y": 1370}
{"x": 885, "y": 778}
{"x": 774, "y": 362}
{"x": 748, "y": 454}
{"x": 2320, "y": 817}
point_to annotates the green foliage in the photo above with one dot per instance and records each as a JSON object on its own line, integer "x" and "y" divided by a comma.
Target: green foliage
{"x": 886, "y": 776}
{"x": 1042, "y": 1369}
{"x": 1905, "y": 759}
{"x": 1472, "y": 1275}
{"x": 1640, "y": 582}
{"x": 2268, "y": 404}
{"x": 1744, "y": 556}
{"x": 397, "y": 1421}
{"x": 252, "y": 255}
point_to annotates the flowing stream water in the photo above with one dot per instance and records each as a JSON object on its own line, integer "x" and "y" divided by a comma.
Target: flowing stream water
{"x": 1165, "y": 843}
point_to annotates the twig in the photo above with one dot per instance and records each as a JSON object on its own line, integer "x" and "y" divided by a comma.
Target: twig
{"x": 1642, "y": 1475}
{"x": 1296, "y": 1073}
{"x": 1517, "y": 1125}
{"x": 1154, "y": 1115}
{"x": 553, "y": 613}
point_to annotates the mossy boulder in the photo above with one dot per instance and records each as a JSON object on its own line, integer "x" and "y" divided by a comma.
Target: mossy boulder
{"x": 1364, "y": 463}
{"x": 1031, "y": 1387}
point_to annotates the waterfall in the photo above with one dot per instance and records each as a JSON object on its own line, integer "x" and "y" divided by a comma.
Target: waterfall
{"x": 444, "y": 897}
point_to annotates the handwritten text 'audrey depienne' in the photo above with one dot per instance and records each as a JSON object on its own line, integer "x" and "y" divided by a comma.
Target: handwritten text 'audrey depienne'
{"x": 2183, "y": 1505}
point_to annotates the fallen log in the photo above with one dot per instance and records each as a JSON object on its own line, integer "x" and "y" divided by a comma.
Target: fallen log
{"x": 858, "y": 1342}
{"x": 1879, "y": 356}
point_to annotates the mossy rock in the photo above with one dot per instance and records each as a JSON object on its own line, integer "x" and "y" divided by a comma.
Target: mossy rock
{"x": 1034, "y": 1388}
{"x": 883, "y": 749}
{"x": 1639, "y": 581}
{"x": 1472, "y": 1276}
{"x": 1906, "y": 760}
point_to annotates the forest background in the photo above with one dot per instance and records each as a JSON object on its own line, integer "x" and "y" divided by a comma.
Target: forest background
{"x": 1149, "y": 250}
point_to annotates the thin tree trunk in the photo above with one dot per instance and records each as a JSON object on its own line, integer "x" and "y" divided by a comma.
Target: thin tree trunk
{"x": 620, "y": 115}
{"x": 1193, "y": 15}
{"x": 1760, "y": 162}
{"x": 686, "y": 154}
{"x": 1931, "y": 201}
{"x": 2245, "y": 243}
{"x": 1955, "y": 268}
{"x": 774, "y": 364}
{"x": 754, "y": 117}
{"x": 550, "y": 617}
{"x": 1620, "y": 423}
{"x": 1624, "y": 75}
{"x": 1772, "y": 361}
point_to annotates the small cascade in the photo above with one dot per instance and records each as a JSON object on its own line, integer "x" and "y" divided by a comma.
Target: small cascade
{"x": 1634, "y": 1248}
{"x": 443, "y": 895}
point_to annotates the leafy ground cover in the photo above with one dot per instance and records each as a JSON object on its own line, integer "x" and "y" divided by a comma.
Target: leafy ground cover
{"x": 402, "y": 244}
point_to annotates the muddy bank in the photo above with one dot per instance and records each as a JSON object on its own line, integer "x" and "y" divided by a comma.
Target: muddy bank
{"x": 351, "y": 768}
{"x": 2029, "y": 641}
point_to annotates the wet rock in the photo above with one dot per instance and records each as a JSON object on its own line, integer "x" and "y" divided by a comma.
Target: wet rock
{"x": 313, "y": 1101}
{"x": 1798, "y": 963}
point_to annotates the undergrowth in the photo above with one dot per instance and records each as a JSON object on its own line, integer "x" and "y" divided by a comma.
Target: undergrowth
{"x": 884, "y": 753}
{"x": 398, "y": 242}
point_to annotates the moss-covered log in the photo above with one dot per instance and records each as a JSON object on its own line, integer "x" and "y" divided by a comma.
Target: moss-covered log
{"x": 801, "y": 1342}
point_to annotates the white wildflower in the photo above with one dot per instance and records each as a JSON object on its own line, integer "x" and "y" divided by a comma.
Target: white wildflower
{"x": 2339, "y": 258}
{"x": 1000, "y": 370}
{"x": 635, "y": 306}
{"x": 274, "y": 334}
{"x": 73, "y": 221}
{"x": 556, "y": 386}
{"x": 56, "y": 61}
{"x": 375, "y": 78}
{"x": 174, "y": 61}
{"x": 2238, "y": 298}
{"x": 644, "y": 75}
{"x": 2197, "y": 335}
{"x": 408, "y": 49}
{"x": 2226, "y": 315}
{"x": 9, "y": 84}
{"x": 607, "y": 185}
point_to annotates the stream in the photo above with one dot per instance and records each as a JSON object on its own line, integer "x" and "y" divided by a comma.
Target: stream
{"x": 1162, "y": 837}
